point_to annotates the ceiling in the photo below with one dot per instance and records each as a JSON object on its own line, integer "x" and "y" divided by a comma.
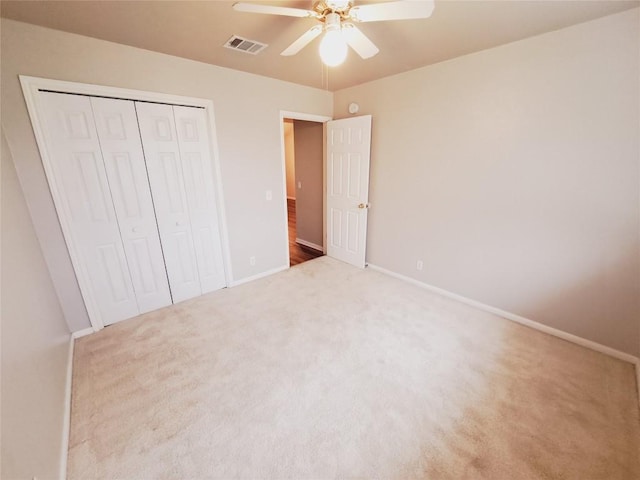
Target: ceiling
{"x": 198, "y": 29}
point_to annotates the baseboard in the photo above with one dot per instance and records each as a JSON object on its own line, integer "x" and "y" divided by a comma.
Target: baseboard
{"x": 66, "y": 420}
{"x": 310, "y": 245}
{"x": 291, "y": 198}
{"x": 517, "y": 318}
{"x": 235, "y": 283}
{"x": 83, "y": 332}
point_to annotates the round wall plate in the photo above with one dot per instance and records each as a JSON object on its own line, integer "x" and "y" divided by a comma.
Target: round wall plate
{"x": 353, "y": 108}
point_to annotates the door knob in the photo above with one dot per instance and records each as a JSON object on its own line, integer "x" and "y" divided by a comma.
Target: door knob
{"x": 363, "y": 205}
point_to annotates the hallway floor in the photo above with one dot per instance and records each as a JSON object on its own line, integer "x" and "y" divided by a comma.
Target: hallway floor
{"x": 297, "y": 253}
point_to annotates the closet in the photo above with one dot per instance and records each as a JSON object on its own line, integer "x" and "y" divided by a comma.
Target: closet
{"x": 135, "y": 181}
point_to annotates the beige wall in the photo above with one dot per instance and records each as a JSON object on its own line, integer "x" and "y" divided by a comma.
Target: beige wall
{"x": 290, "y": 158}
{"x": 35, "y": 345}
{"x": 309, "y": 153}
{"x": 513, "y": 174}
{"x": 247, "y": 109}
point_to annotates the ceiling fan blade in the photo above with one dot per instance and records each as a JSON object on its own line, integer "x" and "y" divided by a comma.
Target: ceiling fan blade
{"x": 274, "y": 10}
{"x": 400, "y": 10}
{"x": 302, "y": 41}
{"x": 359, "y": 41}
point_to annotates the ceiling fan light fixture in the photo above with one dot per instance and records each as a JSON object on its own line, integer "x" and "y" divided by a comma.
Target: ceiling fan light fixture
{"x": 333, "y": 48}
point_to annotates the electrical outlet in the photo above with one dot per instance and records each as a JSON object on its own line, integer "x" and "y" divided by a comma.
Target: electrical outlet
{"x": 252, "y": 261}
{"x": 419, "y": 265}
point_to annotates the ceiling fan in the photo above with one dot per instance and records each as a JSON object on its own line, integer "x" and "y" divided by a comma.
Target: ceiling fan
{"x": 336, "y": 17}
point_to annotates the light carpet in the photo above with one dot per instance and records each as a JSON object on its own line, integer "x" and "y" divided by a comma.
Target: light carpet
{"x": 328, "y": 371}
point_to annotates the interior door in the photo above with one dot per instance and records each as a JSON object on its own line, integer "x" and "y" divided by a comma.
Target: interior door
{"x": 83, "y": 191}
{"x": 195, "y": 156}
{"x": 348, "y": 157}
{"x": 119, "y": 136}
{"x": 161, "y": 150}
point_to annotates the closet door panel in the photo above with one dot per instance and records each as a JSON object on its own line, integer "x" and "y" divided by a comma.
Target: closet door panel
{"x": 78, "y": 169}
{"x": 193, "y": 140}
{"x": 158, "y": 133}
{"x": 117, "y": 127}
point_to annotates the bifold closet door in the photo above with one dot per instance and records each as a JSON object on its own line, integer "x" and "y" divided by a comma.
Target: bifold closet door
{"x": 195, "y": 155}
{"x": 80, "y": 180}
{"x": 119, "y": 137}
{"x": 162, "y": 154}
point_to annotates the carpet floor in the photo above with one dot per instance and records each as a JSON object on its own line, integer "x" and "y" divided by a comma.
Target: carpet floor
{"x": 328, "y": 371}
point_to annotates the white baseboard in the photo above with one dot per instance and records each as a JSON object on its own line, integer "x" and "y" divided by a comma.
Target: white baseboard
{"x": 83, "y": 332}
{"x": 235, "y": 283}
{"x": 516, "y": 318}
{"x": 310, "y": 245}
{"x": 598, "y": 347}
{"x": 66, "y": 420}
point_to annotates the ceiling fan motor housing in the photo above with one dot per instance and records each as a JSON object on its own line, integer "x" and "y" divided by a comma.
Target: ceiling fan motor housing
{"x": 332, "y": 22}
{"x": 326, "y": 7}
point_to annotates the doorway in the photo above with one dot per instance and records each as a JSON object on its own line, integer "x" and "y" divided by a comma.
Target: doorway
{"x": 304, "y": 159}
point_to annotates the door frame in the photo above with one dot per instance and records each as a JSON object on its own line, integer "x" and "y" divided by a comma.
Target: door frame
{"x": 30, "y": 89}
{"x": 309, "y": 117}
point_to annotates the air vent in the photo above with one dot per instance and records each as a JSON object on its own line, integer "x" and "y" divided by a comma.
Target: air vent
{"x": 244, "y": 45}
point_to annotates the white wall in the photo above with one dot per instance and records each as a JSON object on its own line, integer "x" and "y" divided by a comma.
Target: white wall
{"x": 513, "y": 173}
{"x": 35, "y": 345}
{"x": 247, "y": 109}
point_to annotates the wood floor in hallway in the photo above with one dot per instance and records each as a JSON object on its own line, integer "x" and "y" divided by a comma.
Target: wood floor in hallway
{"x": 297, "y": 253}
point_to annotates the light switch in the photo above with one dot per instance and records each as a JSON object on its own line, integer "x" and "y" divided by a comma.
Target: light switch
{"x": 299, "y": 184}
{"x": 269, "y": 195}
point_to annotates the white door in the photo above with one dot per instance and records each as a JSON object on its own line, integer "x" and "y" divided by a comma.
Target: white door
{"x": 119, "y": 136}
{"x": 162, "y": 153}
{"x": 83, "y": 192}
{"x": 195, "y": 155}
{"x": 348, "y": 155}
